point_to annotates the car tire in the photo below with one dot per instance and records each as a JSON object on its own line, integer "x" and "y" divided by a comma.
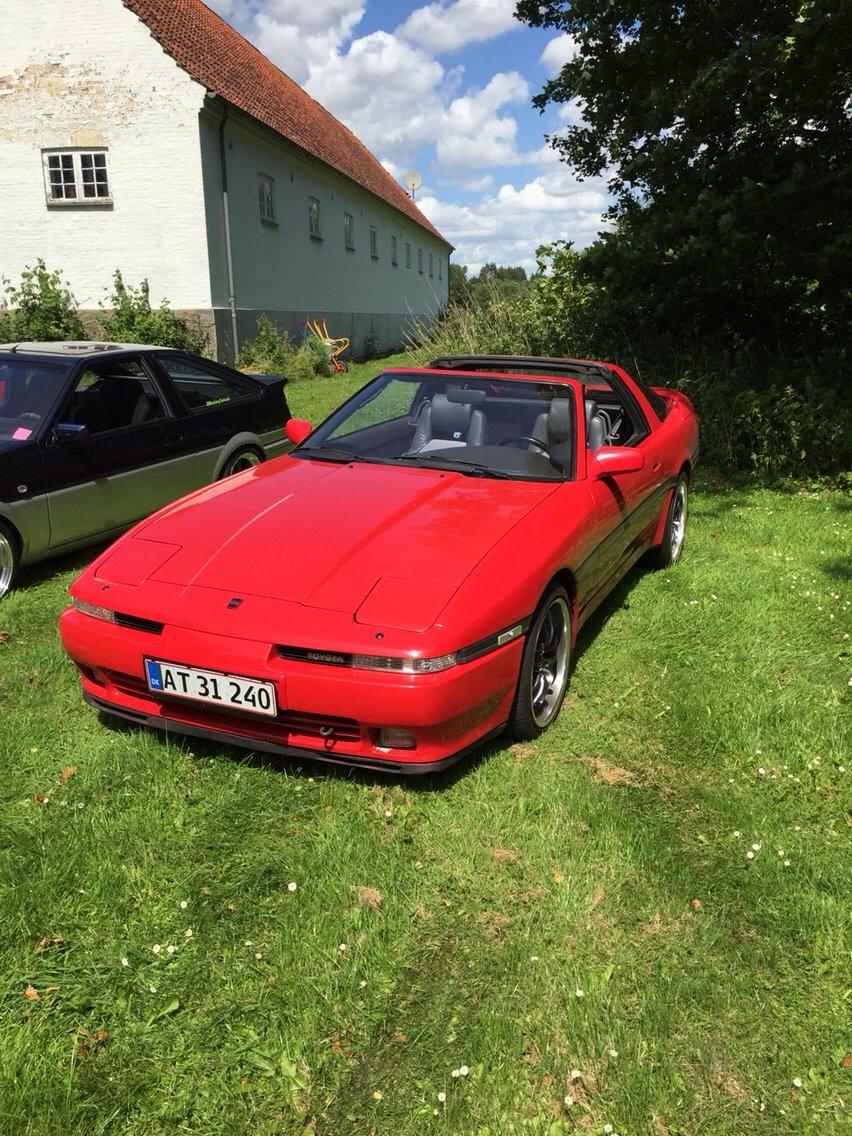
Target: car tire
{"x": 674, "y": 534}
{"x": 9, "y": 559}
{"x": 245, "y": 458}
{"x": 545, "y": 667}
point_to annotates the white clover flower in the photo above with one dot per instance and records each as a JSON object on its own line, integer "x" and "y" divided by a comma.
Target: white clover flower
{"x": 188, "y": 933}
{"x": 455, "y": 1073}
{"x": 755, "y": 847}
{"x": 613, "y": 1053}
{"x": 362, "y": 983}
{"x": 258, "y": 955}
{"x": 786, "y": 863}
{"x": 171, "y": 949}
{"x": 182, "y": 905}
{"x": 343, "y": 948}
{"x": 841, "y": 769}
{"x": 125, "y": 962}
{"x": 463, "y": 1071}
{"x": 568, "y": 1101}
{"x": 761, "y": 771}
{"x": 156, "y": 948}
{"x": 292, "y": 885}
{"x": 153, "y": 989}
{"x": 578, "y": 993}
{"x": 576, "y": 1075}
{"x": 749, "y": 855}
{"x": 248, "y": 943}
{"x": 797, "y": 828}
{"x": 608, "y": 1129}
{"x": 442, "y": 1096}
{"x": 737, "y": 833}
{"x": 534, "y": 958}
{"x": 797, "y": 1082}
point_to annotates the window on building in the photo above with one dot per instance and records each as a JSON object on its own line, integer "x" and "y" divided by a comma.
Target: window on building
{"x": 348, "y": 239}
{"x": 407, "y": 255}
{"x": 420, "y": 261}
{"x": 374, "y": 242}
{"x": 431, "y": 265}
{"x": 314, "y": 218}
{"x": 266, "y": 197}
{"x": 440, "y": 268}
{"x": 394, "y": 259}
{"x": 76, "y": 175}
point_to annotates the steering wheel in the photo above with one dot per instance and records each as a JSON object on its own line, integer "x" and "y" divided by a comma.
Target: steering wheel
{"x": 525, "y": 438}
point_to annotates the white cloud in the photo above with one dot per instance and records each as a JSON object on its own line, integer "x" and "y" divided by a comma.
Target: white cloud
{"x": 507, "y": 226}
{"x": 304, "y": 37}
{"x": 443, "y": 27}
{"x": 558, "y": 52}
{"x": 474, "y": 135}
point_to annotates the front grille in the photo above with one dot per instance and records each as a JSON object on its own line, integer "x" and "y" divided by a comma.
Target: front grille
{"x": 320, "y": 726}
{"x": 307, "y": 655}
{"x": 128, "y": 684}
{"x": 138, "y": 624}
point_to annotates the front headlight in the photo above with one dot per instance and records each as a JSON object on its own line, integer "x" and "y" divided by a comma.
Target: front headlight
{"x": 404, "y": 666}
{"x": 94, "y": 610}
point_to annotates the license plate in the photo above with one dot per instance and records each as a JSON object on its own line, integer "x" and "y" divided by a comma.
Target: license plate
{"x": 211, "y": 687}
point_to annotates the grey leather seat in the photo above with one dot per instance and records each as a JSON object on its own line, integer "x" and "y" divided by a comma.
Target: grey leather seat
{"x": 442, "y": 424}
{"x": 597, "y": 426}
{"x": 554, "y": 429}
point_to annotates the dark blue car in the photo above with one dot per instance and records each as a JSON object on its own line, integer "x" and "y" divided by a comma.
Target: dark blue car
{"x": 95, "y": 436}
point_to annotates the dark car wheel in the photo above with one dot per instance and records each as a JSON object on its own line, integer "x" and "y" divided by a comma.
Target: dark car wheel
{"x": 8, "y": 560}
{"x": 242, "y": 460}
{"x": 545, "y": 667}
{"x": 674, "y": 533}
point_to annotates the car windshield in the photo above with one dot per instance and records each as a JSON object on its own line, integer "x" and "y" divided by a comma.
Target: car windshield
{"x": 479, "y": 425}
{"x": 28, "y": 390}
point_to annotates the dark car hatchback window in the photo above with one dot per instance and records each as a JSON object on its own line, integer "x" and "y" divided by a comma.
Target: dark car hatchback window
{"x": 202, "y": 388}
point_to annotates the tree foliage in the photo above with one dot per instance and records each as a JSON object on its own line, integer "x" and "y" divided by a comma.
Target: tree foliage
{"x": 724, "y": 129}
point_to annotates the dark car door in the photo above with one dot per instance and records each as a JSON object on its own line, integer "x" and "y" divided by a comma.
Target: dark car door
{"x": 137, "y": 456}
{"x": 219, "y": 405}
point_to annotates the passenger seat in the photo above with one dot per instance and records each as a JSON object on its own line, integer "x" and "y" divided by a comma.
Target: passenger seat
{"x": 442, "y": 424}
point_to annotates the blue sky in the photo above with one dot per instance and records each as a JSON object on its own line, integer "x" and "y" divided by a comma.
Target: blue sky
{"x": 443, "y": 87}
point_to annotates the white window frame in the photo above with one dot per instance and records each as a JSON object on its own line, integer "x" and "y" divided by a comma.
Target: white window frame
{"x": 349, "y": 232}
{"x": 374, "y": 242}
{"x": 77, "y": 154}
{"x": 266, "y": 198}
{"x": 314, "y": 219}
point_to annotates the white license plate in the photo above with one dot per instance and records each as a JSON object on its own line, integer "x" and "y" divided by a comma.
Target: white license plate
{"x": 211, "y": 687}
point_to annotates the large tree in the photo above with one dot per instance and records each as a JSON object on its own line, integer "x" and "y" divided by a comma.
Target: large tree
{"x": 724, "y": 129}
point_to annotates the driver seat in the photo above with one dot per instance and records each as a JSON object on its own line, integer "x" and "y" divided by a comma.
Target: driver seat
{"x": 442, "y": 424}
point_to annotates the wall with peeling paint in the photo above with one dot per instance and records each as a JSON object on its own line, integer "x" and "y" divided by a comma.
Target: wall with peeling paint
{"x": 87, "y": 72}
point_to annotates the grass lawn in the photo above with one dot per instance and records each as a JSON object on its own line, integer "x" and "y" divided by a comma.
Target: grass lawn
{"x": 195, "y": 941}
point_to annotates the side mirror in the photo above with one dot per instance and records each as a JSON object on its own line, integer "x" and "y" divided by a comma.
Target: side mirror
{"x": 297, "y": 429}
{"x": 611, "y": 460}
{"x": 70, "y": 434}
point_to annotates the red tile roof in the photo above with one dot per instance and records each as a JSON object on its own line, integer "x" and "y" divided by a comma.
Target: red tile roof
{"x": 219, "y": 58}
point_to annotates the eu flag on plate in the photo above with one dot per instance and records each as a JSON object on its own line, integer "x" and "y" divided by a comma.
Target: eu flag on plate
{"x": 155, "y": 678}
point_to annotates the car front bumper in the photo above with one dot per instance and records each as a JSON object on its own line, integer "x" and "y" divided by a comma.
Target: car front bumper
{"x": 328, "y": 713}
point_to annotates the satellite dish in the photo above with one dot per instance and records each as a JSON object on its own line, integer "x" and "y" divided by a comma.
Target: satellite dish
{"x": 413, "y": 180}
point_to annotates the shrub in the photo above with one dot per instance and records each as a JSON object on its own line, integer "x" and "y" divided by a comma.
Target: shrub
{"x": 372, "y": 346}
{"x": 131, "y": 319}
{"x": 40, "y": 308}
{"x": 270, "y": 352}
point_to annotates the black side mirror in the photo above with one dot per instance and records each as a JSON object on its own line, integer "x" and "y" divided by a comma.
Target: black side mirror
{"x": 70, "y": 434}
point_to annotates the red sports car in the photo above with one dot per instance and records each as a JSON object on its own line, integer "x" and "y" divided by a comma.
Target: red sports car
{"x": 408, "y": 582}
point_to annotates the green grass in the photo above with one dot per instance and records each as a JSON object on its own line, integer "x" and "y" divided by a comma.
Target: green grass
{"x": 707, "y": 701}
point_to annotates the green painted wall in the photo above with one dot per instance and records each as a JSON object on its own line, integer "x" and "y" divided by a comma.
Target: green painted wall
{"x": 280, "y": 270}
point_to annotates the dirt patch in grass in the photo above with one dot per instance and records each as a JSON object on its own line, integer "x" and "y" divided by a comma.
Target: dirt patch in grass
{"x": 608, "y": 773}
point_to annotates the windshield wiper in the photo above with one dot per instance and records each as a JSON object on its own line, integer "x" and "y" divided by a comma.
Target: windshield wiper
{"x": 333, "y": 454}
{"x": 469, "y": 468}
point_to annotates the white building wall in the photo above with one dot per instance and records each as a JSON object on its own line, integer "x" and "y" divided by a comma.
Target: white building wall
{"x": 87, "y": 72}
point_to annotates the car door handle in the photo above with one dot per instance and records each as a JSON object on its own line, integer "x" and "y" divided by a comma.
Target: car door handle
{"x": 176, "y": 436}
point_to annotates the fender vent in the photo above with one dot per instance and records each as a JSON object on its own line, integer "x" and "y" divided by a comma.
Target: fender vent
{"x": 138, "y": 624}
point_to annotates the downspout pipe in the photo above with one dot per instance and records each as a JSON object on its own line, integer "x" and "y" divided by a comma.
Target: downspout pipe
{"x": 229, "y": 252}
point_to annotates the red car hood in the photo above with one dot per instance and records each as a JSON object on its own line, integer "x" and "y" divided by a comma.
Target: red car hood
{"x": 330, "y": 536}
